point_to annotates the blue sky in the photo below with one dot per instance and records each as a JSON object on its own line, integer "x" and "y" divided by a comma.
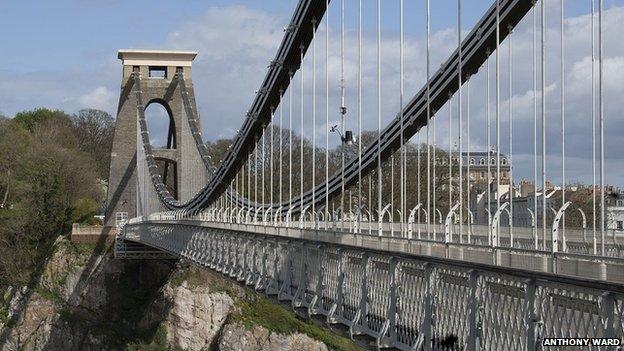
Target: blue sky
{"x": 87, "y": 33}
{"x": 84, "y": 33}
{"x": 62, "y": 54}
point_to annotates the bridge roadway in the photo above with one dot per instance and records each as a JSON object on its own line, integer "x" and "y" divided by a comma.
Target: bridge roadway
{"x": 402, "y": 292}
{"x": 573, "y": 240}
{"x": 577, "y": 260}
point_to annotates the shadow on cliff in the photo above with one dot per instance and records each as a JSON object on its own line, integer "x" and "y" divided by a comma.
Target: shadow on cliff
{"x": 108, "y": 301}
{"x": 21, "y": 308}
{"x": 129, "y": 286}
{"x": 45, "y": 250}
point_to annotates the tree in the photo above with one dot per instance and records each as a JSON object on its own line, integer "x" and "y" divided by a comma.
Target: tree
{"x": 94, "y": 131}
{"x": 52, "y": 184}
{"x": 29, "y": 119}
{"x": 390, "y": 194}
{"x": 218, "y": 149}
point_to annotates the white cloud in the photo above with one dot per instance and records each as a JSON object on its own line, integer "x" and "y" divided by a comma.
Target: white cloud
{"x": 99, "y": 98}
{"x": 235, "y": 44}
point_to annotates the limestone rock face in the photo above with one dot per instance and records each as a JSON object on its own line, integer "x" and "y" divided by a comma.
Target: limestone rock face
{"x": 236, "y": 338}
{"x": 38, "y": 316}
{"x": 85, "y": 300}
{"x": 193, "y": 315}
{"x": 47, "y": 317}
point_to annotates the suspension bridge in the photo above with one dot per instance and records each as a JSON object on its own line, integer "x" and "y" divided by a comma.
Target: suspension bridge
{"x": 417, "y": 255}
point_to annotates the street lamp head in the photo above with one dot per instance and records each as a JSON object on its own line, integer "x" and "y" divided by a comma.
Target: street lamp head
{"x": 348, "y": 138}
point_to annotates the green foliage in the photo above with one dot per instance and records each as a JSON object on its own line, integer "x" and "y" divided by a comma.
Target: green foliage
{"x": 30, "y": 119}
{"x": 48, "y": 182}
{"x": 192, "y": 275}
{"x": 50, "y": 295}
{"x": 195, "y": 276}
{"x": 258, "y": 310}
{"x": 254, "y": 309}
{"x": 4, "y": 315}
{"x": 160, "y": 337}
{"x": 4, "y": 318}
{"x": 84, "y": 249}
{"x": 84, "y": 210}
{"x": 158, "y": 342}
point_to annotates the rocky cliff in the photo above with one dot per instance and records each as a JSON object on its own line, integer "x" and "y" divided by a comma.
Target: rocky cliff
{"x": 84, "y": 299}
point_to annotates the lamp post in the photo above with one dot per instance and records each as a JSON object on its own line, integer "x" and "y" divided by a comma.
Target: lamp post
{"x": 347, "y": 139}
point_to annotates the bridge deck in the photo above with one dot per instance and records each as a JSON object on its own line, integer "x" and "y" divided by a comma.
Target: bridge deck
{"x": 379, "y": 287}
{"x": 568, "y": 263}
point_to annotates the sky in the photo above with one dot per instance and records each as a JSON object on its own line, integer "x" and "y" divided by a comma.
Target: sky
{"x": 63, "y": 54}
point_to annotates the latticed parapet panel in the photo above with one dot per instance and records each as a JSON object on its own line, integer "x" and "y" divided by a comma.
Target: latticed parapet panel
{"x": 298, "y": 278}
{"x": 619, "y": 317}
{"x": 331, "y": 277}
{"x": 272, "y": 265}
{"x": 402, "y": 302}
{"x": 568, "y": 312}
{"x": 256, "y": 265}
{"x": 312, "y": 274}
{"x": 239, "y": 248}
{"x": 412, "y": 294}
{"x": 451, "y": 289}
{"x": 352, "y": 286}
{"x": 504, "y": 303}
{"x": 285, "y": 271}
{"x": 379, "y": 279}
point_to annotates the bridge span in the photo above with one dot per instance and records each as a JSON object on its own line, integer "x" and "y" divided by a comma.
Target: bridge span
{"x": 397, "y": 291}
{"x": 418, "y": 251}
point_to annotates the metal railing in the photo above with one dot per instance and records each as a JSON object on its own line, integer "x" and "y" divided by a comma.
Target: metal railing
{"x": 402, "y": 300}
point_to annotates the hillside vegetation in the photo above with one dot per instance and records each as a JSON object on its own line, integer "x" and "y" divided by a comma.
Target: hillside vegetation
{"x": 53, "y": 168}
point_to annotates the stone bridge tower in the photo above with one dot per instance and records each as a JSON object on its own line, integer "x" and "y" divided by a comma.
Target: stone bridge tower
{"x": 178, "y": 161}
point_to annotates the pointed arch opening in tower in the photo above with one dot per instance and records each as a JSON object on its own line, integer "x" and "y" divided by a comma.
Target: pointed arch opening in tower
{"x": 162, "y": 132}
